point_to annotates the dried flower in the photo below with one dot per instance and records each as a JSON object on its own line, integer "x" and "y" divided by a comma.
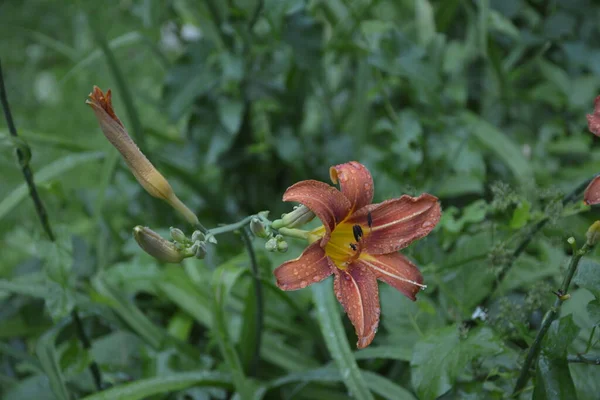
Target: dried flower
{"x": 138, "y": 164}
{"x": 358, "y": 243}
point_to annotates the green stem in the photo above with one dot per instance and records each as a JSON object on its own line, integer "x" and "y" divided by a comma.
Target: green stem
{"x": 231, "y": 227}
{"x": 580, "y": 358}
{"x": 43, "y": 216}
{"x": 548, "y": 319}
{"x": 258, "y": 293}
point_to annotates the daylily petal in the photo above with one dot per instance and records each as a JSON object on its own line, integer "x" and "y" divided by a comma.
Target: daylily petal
{"x": 395, "y": 270}
{"x": 328, "y": 203}
{"x": 312, "y": 266}
{"x": 397, "y": 222}
{"x": 355, "y": 182}
{"x": 357, "y": 291}
{"x": 594, "y": 118}
{"x": 591, "y": 195}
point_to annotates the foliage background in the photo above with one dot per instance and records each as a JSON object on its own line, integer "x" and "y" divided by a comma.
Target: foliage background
{"x": 481, "y": 103}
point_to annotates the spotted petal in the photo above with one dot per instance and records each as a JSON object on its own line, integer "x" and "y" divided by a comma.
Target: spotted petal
{"x": 355, "y": 182}
{"x": 594, "y": 118}
{"x": 591, "y": 195}
{"x": 395, "y": 270}
{"x": 357, "y": 291}
{"x": 398, "y": 222}
{"x": 328, "y": 203}
{"x": 312, "y": 266}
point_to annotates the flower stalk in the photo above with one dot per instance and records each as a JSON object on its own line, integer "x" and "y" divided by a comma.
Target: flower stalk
{"x": 550, "y": 316}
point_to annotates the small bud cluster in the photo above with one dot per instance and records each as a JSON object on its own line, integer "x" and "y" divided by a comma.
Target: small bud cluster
{"x": 261, "y": 227}
{"x": 172, "y": 251}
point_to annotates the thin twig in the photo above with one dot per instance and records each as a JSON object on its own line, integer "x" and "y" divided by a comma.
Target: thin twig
{"x": 27, "y": 172}
{"x": 43, "y": 216}
{"x": 258, "y": 293}
{"x": 580, "y": 358}
{"x": 549, "y": 318}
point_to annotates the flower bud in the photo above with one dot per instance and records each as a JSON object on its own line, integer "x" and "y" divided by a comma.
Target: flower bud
{"x": 271, "y": 245}
{"x": 143, "y": 170}
{"x": 158, "y": 247}
{"x": 299, "y": 216}
{"x": 178, "y": 235}
{"x": 282, "y": 246}
{"x": 593, "y": 234}
{"x": 198, "y": 249}
{"x": 258, "y": 228}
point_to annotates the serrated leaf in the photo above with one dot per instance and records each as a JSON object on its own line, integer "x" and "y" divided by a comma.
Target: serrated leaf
{"x": 440, "y": 357}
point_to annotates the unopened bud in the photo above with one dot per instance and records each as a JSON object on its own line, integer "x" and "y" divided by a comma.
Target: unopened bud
{"x": 155, "y": 245}
{"x": 143, "y": 170}
{"x": 271, "y": 245}
{"x": 299, "y": 216}
{"x": 178, "y": 235}
{"x": 258, "y": 228}
{"x": 282, "y": 246}
{"x": 198, "y": 249}
{"x": 593, "y": 234}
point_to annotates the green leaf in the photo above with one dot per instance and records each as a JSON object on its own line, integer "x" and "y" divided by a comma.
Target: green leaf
{"x": 224, "y": 277}
{"x": 46, "y": 353}
{"x": 553, "y": 379}
{"x": 497, "y": 142}
{"x": 560, "y": 335}
{"x": 230, "y": 114}
{"x": 588, "y": 276}
{"x": 248, "y": 335}
{"x": 440, "y": 357}
{"x": 130, "y": 313}
{"x": 593, "y": 308}
{"x": 520, "y": 215}
{"x": 49, "y": 172}
{"x": 377, "y": 383}
{"x": 145, "y": 388}
{"x": 335, "y": 338}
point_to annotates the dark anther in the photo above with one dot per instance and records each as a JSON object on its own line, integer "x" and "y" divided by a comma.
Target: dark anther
{"x": 369, "y": 219}
{"x": 358, "y": 232}
{"x": 353, "y": 246}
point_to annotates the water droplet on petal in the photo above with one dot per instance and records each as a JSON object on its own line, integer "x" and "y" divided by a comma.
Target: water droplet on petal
{"x": 303, "y": 284}
{"x": 426, "y": 224}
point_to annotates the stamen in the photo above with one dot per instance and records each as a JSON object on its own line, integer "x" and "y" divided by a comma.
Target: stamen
{"x": 353, "y": 246}
{"x": 369, "y": 219}
{"x": 358, "y": 232}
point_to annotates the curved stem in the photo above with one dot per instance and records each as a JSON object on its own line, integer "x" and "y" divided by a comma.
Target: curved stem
{"x": 548, "y": 319}
{"x": 230, "y": 227}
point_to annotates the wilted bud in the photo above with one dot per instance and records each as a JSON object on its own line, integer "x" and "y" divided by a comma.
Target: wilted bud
{"x": 271, "y": 245}
{"x": 155, "y": 245}
{"x": 593, "y": 234}
{"x": 198, "y": 249}
{"x": 299, "y": 216}
{"x": 258, "y": 228}
{"x": 178, "y": 235}
{"x": 138, "y": 164}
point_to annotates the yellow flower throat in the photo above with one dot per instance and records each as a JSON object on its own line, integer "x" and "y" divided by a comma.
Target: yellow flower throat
{"x": 342, "y": 248}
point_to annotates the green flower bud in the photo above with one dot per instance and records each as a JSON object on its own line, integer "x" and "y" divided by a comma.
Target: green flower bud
{"x": 299, "y": 216}
{"x": 258, "y": 228}
{"x": 158, "y": 247}
{"x": 593, "y": 234}
{"x": 198, "y": 249}
{"x": 282, "y": 246}
{"x": 271, "y": 245}
{"x": 178, "y": 235}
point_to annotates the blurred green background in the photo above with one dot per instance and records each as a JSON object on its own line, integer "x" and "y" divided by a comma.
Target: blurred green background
{"x": 481, "y": 103}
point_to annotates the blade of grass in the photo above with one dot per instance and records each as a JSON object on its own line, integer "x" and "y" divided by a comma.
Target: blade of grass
{"x": 51, "y": 171}
{"x": 130, "y": 313}
{"x": 336, "y": 340}
{"x": 127, "y": 39}
{"x": 223, "y": 280}
{"x": 497, "y": 142}
{"x": 46, "y": 353}
{"x": 146, "y": 388}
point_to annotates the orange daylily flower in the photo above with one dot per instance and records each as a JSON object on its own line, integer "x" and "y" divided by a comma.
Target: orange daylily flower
{"x": 591, "y": 195}
{"x": 359, "y": 243}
